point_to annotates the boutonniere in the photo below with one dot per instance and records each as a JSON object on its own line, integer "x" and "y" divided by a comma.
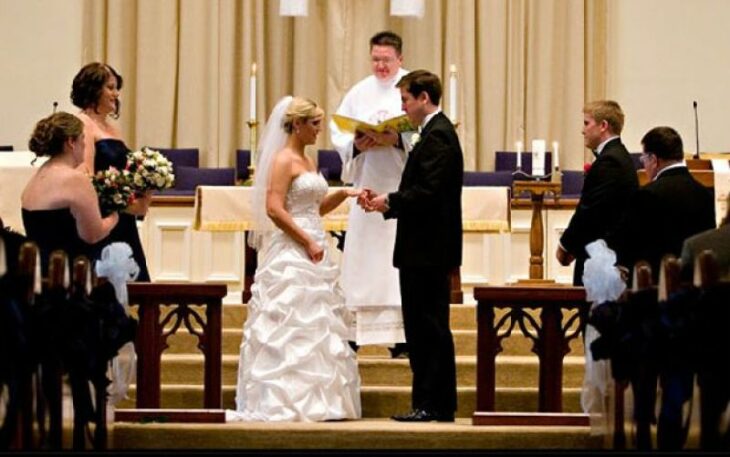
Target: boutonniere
{"x": 415, "y": 138}
{"x": 587, "y": 167}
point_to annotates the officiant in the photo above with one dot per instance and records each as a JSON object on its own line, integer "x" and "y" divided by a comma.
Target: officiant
{"x": 373, "y": 161}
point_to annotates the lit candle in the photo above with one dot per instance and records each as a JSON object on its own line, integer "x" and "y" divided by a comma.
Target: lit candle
{"x": 556, "y": 160}
{"x": 252, "y": 94}
{"x": 452, "y": 93}
{"x": 518, "y": 147}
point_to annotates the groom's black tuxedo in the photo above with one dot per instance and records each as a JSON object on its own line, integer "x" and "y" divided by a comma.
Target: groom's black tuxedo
{"x": 428, "y": 245}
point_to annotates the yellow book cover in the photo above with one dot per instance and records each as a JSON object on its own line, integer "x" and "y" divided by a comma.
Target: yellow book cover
{"x": 351, "y": 125}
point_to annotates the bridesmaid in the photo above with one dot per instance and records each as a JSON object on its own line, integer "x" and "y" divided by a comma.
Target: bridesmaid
{"x": 95, "y": 91}
{"x": 59, "y": 204}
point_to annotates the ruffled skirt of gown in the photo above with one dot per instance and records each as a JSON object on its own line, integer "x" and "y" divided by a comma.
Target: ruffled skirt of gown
{"x": 295, "y": 361}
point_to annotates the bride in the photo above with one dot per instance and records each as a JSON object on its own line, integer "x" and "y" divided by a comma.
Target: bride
{"x": 295, "y": 363}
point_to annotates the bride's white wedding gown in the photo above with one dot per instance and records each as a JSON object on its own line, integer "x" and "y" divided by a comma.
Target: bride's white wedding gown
{"x": 295, "y": 362}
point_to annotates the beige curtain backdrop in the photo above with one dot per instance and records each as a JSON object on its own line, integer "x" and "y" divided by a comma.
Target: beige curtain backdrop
{"x": 524, "y": 67}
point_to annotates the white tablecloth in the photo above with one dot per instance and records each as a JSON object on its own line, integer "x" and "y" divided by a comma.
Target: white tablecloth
{"x": 15, "y": 171}
{"x": 228, "y": 208}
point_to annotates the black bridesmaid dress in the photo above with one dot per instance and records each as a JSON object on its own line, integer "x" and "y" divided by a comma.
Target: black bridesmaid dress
{"x": 111, "y": 152}
{"x": 53, "y": 229}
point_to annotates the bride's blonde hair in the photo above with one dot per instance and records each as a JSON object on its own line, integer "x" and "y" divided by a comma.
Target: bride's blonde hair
{"x": 300, "y": 108}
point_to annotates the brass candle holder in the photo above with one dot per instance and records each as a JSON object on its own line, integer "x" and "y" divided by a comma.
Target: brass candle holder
{"x": 252, "y": 125}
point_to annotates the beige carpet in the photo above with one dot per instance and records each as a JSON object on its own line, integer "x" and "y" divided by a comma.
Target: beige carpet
{"x": 386, "y": 391}
{"x": 362, "y": 434}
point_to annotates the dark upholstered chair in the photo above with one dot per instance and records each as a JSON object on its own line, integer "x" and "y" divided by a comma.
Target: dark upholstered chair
{"x": 243, "y": 160}
{"x": 188, "y": 178}
{"x": 488, "y": 178}
{"x": 572, "y": 182}
{"x": 181, "y": 157}
{"x": 507, "y": 161}
{"x": 329, "y": 164}
{"x": 6, "y": 148}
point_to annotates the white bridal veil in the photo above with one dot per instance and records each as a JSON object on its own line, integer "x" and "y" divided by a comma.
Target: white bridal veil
{"x": 273, "y": 139}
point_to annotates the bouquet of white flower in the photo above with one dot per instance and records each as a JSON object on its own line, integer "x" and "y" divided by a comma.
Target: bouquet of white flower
{"x": 114, "y": 188}
{"x": 150, "y": 170}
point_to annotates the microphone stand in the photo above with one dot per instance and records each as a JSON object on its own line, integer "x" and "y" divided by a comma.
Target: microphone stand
{"x": 697, "y": 131}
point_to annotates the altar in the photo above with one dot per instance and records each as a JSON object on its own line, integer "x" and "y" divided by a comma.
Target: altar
{"x": 224, "y": 208}
{"x": 485, "y": 211}
{"x": 16, "y": 168}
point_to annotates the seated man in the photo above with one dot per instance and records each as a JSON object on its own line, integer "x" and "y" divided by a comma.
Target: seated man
{"x": 661, "y": 215}
{"x": 665, "y": 212}
{"x": 716, "y": 240}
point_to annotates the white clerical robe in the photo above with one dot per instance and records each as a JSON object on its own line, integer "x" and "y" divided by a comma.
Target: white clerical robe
{"x": 369, "y": 280}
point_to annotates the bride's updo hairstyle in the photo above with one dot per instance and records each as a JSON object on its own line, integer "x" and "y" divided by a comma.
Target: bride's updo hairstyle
{"x": 300, "y": 108}
{"x": 51, "y": 133}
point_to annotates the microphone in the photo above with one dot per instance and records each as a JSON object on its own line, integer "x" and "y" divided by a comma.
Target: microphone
{"x": 55, "y": 105}
{"x": 697, "y": 131}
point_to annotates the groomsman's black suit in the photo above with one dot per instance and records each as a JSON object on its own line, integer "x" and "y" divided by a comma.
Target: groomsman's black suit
{"x": 608, "y": 186}
{"x": 428, "y": 246}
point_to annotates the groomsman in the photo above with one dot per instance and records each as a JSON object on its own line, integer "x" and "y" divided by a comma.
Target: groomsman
{"x": 428, "y": 244}
{"x": 608, "y": 186}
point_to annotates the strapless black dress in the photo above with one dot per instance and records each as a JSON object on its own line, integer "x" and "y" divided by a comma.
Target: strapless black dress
{"x": 53, "y": 229}
{"x": 111, "y": 152}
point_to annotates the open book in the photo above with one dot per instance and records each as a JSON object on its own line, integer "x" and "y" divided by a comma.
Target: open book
{"x": 350, "y": 125}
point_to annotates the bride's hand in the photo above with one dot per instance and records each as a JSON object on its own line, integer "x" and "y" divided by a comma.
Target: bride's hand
{"x": 315, "y": 251}
{"x": 355, "y": 192}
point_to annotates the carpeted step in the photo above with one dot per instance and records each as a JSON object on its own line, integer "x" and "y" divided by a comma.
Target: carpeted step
{"x": 465, "y": 343}
{"x": 512, "y": 371}
{"x": 381, "y": 401}
{"x": 462, "y": 316}
{"x": 361, "y": 434}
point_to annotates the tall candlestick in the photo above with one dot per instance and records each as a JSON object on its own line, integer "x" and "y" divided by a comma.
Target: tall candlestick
{"x": 518, "y": 147}
{"x": 252, "y": 93}
{"x": 452, "y": 94}
{"x": 556, "y": 160}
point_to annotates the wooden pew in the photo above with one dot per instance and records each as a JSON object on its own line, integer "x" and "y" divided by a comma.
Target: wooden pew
{"x": 712, "y": 376}
{"x": 21, "y": 429}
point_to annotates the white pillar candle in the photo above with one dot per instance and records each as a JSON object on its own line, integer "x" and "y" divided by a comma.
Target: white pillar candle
{"x": 518, "y": 147}
{"x": 538, "y": 157}
{"x": 556, "y": 160}
{"x": 452, "y": 94}
{"x": 252, "y": 93}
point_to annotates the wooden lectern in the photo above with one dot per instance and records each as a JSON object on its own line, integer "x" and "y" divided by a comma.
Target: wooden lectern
{"x": 537, "y": 190}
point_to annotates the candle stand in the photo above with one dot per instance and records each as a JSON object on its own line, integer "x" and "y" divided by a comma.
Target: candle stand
{"x": 252, "y": 125}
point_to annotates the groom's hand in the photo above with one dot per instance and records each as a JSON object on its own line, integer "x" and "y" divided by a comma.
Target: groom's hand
{"x": 364, "y": 198}
{"x": 379, "y": 203}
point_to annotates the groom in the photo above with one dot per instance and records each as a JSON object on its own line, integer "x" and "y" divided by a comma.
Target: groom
{"x": 428, "y": 243}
